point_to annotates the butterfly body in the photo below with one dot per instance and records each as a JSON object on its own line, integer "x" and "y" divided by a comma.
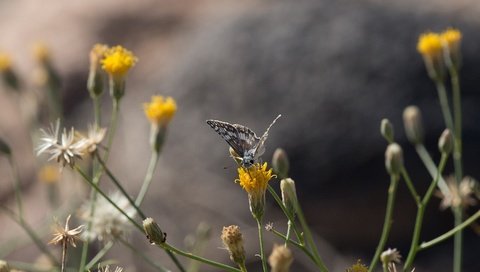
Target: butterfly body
{"x": 242, "y": 140}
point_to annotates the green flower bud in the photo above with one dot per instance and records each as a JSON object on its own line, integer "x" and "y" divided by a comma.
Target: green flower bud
{"x": 394, "y": 159}
{"x": 153, "y": 232}
{"x": 289, "y": 195}
{"x": 445, "y": 142}
{"x": 386, "y": 129}
{"x": 412, "y": 121}
{"x": 280, "y": 163}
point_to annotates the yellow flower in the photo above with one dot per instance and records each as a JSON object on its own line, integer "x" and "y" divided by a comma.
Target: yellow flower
{"x": 49, "y": 174}
{"x": 41, "y": 52}
{"x": 451, "y": 37}
{"x": 358, "y": 267}
{"x": 160, "y": 110}
{"x": 254, "y": 181}
{"x": 118, "y": 61}
{"x": 5, "y": 62}
{"x": 430, "y": 44}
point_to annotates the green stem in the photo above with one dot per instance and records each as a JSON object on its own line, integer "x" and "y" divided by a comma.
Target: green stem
{"x": 170, "y": 248}
{"x": 420, "y": 215}
{"x": 143, "y": 256}
{"x": 87, "y": 179}
{"x": 432, "y": 168}
{"x": 148, "y": 178}
{"x": 309, "y": 237}
{"x": 443, "y": 99}
{"x": 457, "y": 240}
{"x": 410, "y": 186}
{"x": 299, "y": 246}
{"x": 289, "y": 232}
{"x": 392, "y": 190}
{"x": 99, "y": 256}
{"x": 119, "y": 186}
{"x": 287, "y": 214}
{"x": 260, "y": 240}
{"x": 451, "y": 232}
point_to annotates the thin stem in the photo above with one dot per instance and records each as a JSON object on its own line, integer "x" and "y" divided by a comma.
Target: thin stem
{"x": 451, "y": 232}
{"x": 170, "y": 248}
{"x": 119, "y": 186}
{"x": 309, "y": 237}
{"x": 99, "y": 256}
{"x": 432, "y": 168}
{"x": 87, "y": 179}
{"x": 16, "y": 186}
{"x": 420, "y": 215}
{"x": 392, "y": 190}
{"x": 287, "y": 214}
{"x": 443, "y": 99}
{"x": 143, "y": 256}
{"x": 410, "y": 186}
{"x": 148, "y": 178}
{"x": 31, "y": 233}
{"x": 289, "y": 232}
{"x": 299, "y": 246}
{"x": 64, "y": 254}
{"x": 457, "y": 240}
{"x": 260, "y": 240}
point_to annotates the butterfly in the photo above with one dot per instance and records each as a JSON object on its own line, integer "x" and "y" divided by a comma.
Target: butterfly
{"x": 242, "y": 140}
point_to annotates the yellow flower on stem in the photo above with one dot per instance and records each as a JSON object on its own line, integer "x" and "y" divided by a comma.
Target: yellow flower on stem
{"x": 5, "y": 62}
{"x": 117, "y": 62}
{"x": 430, "y": 47}
{"x": 254, "y": 181}
{"x": 451, "y": 39}
{"x": 159, "y": 111}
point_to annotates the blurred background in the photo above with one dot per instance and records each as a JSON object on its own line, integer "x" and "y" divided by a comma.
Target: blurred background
{"x": 333, "y": 69}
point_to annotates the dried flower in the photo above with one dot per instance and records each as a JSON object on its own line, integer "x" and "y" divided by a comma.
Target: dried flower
{"x": 66, "y": 235}
{"x": 107, "y": 222}
{"x": 94, "y": 137}
{"x": 390, "y": 256}
{"x": 233, "y": 241}
{"x": 281, "y": 258}
{"x": 107, "y": 269}
{"x": 254, "y": 180}
{"x": 64, "y": 151}
{"x": 460, "y": 195}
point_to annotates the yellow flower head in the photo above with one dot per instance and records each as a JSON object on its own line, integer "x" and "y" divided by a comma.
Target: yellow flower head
{"x": 5, "y": 62}
{"x": 160, "y": 110}
{"x": 451, "y": 37}
{"x": 49, "y": 174}
{"x": 255, "y": 179}
{"x": 41, "y": 52}
{"x": 118, "y": 61}
{"x": 97, "y": 53}
{"x": 358, "y": 267}
{"x": 430, "y": 44}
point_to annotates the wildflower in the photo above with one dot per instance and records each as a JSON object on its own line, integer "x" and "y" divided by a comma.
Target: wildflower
{"x": 8, "y": 74}
{"x": 451, "y": 39}
{"x": 412, "y": 121}
{"x": 4, "y": 266}
{"x": 386, "y": 129}
{"x": 394, "y": 159}
{"x": 108, "y": 223}
{"x": 289, "y": 195}
{"x": 95, "y": 82}
{"x": 390, "y": 256}
{"x": 107, "y": 269}
{"x": 281, "y": 258}
{"x": 66, "y": 235}
{"x": 48, "y": 174}
{"x": 64, "y": 151}
{"x": 358, "y": 267}
{"x": 233, "y": 241}
{"x": 254, "y": 180}
{"x": 159, "y": 112}
{"x": 460, "y": 195}
{"x": 280, "y": 163}
{"x": 117, "y": 62}
{"x": 94, "y": 137}
{"x": 154, "y": 234}
{"x": 430, "y": 47}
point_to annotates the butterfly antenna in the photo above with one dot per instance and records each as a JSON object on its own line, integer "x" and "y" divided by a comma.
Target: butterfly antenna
{"x": 273, "y": 122}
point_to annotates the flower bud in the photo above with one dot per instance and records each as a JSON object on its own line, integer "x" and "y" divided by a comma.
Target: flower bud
{"x": 394, "y": 159}
{"x": 153, "y": 232}
{"x": 390, "y": 256}
{"x": 412, "y": 121}
{"x": 445, "y": 142}
{"x": 5, "y": 148}
{"x": 281, "y": 258}
{"x": 4, "y": 266}
{"x": 289, "y": 195}
{"x": 95, "y": 77}
{"x": 386, "y": 129}
{"x": 233, "y": 241}
{"x": 280, "y": 163}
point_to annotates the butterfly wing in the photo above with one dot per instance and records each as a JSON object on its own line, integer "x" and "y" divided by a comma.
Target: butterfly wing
{"x": 260, "y": 145}
{"x": 246, "y": 137}
{"x": 230, "y": 134}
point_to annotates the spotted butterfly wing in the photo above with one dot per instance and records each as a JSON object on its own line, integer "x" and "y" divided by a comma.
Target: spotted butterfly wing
{"x": 239, "y": 137}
